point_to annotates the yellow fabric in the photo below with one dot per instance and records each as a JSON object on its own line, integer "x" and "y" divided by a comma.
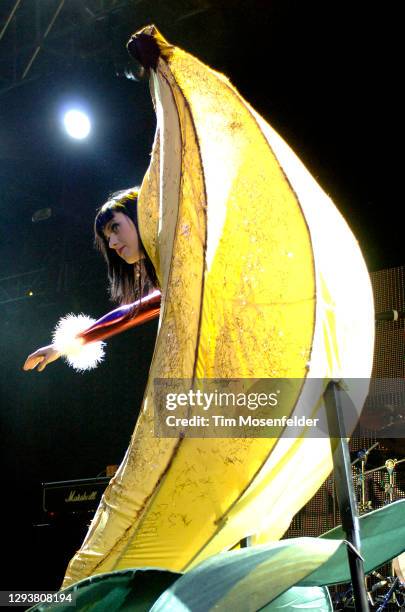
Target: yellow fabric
{"x": 255, "y": 265}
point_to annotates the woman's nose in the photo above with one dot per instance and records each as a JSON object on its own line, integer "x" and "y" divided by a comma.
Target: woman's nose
{"x": 112, "y": 241}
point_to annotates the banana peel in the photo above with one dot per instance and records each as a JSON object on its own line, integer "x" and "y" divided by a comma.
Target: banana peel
{"x": 259, "y": 275}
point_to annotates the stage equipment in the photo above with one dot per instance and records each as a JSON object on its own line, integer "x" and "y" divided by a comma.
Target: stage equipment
{"x": 385, "y": 587}
{"x": 345, "y": 494}
{"x": 364, "y": 505}
{"x": 389, "y": 297}
{"x": 72, "y": 496}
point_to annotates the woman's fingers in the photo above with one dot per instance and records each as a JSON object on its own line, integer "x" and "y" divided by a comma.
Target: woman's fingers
{"x": 42, "y": 364}
{"x": 32, "y": 361}
{"x": 41, "y": 358}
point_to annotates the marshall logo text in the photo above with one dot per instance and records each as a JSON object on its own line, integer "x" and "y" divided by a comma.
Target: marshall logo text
{"x": 74, "y": 496}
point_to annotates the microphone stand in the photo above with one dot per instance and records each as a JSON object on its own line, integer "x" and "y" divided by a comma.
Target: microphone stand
{"x": 345, "y": 492}
{"x": 363, "y": 456}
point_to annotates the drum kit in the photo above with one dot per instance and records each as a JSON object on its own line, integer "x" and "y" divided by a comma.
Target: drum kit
{"x": 385, "y": 588}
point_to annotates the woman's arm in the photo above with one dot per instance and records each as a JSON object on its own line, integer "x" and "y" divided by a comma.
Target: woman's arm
{"x": 124, "y": 317}
{"x": 81, "y": 344}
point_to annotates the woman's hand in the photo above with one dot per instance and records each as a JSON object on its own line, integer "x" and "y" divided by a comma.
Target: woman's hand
{"x": 41, "y": 358}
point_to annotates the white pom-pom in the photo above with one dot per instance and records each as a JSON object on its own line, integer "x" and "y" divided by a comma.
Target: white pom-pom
{"x": 77, "y": 354}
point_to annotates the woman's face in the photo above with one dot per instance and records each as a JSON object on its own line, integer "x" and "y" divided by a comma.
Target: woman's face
{"x": 122, "y": 236}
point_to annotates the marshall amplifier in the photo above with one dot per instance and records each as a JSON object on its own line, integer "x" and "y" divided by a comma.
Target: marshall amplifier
{"x": 72, "y": 496}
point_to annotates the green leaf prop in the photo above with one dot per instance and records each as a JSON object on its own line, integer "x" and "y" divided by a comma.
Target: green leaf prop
{"x": 133, "y": 590}
{"x": 247, "y": 579}
{"x": 382, "y": 538}
{"x": 314, "y": 599}
{"x": 251, "y": 578}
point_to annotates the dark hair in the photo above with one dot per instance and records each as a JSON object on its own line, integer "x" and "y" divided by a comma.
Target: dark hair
{"x": 128, "y": 282}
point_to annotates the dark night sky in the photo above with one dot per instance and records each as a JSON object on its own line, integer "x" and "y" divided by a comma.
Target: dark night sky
{"x": 317, "y": 71}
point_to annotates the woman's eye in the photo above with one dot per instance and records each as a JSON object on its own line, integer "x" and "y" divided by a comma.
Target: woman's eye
{"x": 114, "y": 227}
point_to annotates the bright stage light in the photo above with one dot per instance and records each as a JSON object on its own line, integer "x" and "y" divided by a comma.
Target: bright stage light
{"x": 77, "y": 124}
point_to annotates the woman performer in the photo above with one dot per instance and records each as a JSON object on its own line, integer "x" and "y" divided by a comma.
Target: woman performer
{"x": 259, "y": 275}
{"x": 131, "y": 273}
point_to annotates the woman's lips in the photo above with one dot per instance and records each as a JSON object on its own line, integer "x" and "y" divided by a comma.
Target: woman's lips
{"x": 120, "y": 250}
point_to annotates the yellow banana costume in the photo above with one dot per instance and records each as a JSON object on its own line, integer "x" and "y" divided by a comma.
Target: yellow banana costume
{"x": 261, "y": 278}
